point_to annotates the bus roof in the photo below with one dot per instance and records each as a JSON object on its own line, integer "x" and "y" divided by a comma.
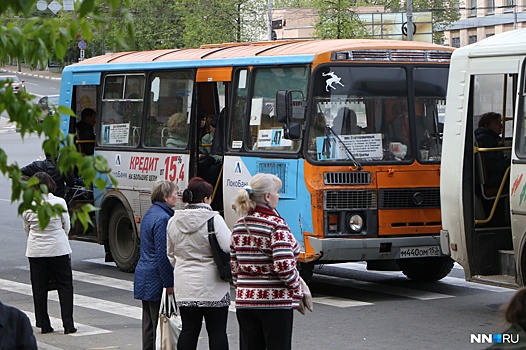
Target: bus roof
{"x": 505, "y": 44}
{"x": 253, "y": 50}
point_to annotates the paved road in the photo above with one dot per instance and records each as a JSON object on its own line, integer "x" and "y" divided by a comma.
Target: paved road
{"x": 38, "y": 83}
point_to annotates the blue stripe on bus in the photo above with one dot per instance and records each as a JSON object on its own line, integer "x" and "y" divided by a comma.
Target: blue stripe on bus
{"x": 225, "y": 62}
{"x": 295, "y": 201}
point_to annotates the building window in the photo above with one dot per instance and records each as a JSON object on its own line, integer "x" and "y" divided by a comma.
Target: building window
{"x": 491, "y": 6}
{"x": 472, "y": 7}
{"x": 455, "y": 42}
{"x": 488, "y": 35}
{"x": 472, "y": 39}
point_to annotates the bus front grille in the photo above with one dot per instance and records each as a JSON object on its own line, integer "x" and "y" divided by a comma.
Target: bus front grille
{"x": 392, "y": 55}
{"x": 395, "y": 198}
{"x": 439, "y": 56}
{"x": 350, "y": 200}
{"x": 347, "y": 178}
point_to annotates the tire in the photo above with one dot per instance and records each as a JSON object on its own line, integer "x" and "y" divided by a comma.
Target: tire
{"x": 306, "y": 271}
{"x": 426, "y": 269}
{"x": 124, "y": 242}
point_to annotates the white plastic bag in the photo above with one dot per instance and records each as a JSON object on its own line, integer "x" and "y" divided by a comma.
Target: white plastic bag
{"x": 169, "y": 325}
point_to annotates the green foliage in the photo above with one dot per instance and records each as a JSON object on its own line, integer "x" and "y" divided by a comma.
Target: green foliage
{"x": 156, "y": 24}
{"x": 337, "y": 20}
{"x": 34, "y": 39}
{"x": 292, "y": 3}
{"x": 219, "y": 21}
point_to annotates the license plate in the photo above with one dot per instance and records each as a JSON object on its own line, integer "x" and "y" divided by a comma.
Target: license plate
{"x": 419, "y": 252}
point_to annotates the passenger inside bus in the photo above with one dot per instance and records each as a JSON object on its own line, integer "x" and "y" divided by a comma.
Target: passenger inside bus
{"x": 397, "y": 127}
{"x": 177, "y": 131}
{"x": 211, "y": 158}
{"x": 345, "y": 122}
{"x": 495, "y": 163}
{"x": 154, "y": 132}
{"x": 86, "y": 132}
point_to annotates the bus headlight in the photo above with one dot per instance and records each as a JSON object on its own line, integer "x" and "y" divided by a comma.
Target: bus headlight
{"x": 355, "y": 222}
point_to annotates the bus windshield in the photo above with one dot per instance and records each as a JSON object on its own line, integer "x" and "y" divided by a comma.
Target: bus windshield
{"x": 377, "y": 114}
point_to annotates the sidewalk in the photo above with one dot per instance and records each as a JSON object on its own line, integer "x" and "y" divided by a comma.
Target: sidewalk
{"x": 25, "y": 71}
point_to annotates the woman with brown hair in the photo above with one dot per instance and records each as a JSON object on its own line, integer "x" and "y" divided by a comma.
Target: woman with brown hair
{"x": 199, "y": 291}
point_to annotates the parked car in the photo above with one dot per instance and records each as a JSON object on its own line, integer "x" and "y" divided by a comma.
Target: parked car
{"x": 17, "y": 84}
{"x": 46, "y": 103}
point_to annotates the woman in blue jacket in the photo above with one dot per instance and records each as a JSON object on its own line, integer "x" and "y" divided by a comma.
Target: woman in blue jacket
{"x": 154, "y": 271}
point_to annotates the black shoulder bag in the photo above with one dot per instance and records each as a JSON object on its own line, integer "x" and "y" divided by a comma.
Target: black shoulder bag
{"x": 221, "y": 258}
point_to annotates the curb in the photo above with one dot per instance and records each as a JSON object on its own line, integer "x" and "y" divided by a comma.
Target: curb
{"x": 29, "y": 74}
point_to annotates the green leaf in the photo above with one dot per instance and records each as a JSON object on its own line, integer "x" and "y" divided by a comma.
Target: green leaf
{"x": 86, "y": 7}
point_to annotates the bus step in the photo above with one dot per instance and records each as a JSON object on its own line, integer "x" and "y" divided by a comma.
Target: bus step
{"x": 507, "y": 262}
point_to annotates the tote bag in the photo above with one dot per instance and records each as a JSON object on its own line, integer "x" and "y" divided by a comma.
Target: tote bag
{"x": 169, "y": 325}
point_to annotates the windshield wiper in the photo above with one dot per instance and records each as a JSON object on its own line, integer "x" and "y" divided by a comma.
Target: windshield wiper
{"x": 326, "y": 147}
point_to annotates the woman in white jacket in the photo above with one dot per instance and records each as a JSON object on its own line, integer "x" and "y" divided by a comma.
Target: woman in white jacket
{"x": 49, "y": 252}
{"x": 199, "y": 291}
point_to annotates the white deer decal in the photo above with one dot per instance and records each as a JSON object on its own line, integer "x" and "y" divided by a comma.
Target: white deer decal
{"x": 334, "y": 79}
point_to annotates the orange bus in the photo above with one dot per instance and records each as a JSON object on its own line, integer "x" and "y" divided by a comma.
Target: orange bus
{"x": 352, "y": 128}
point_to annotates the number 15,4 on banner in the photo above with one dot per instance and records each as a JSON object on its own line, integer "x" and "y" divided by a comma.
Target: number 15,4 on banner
{"x": 174, "y": 169}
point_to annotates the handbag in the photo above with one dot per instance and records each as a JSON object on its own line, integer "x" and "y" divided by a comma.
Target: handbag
{"x": 221, "y": 258}
{"x": 306, "y": 303}
{"x": 169, "y": 325}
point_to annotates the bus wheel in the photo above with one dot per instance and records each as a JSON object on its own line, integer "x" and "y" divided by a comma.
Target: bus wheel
{"x": 124, "y": 243}
{"x": 426, "y": 269}
{"x": 306, "y": 271}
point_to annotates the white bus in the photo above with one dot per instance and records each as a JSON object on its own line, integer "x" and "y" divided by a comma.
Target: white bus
{"x": 484, "y": 221}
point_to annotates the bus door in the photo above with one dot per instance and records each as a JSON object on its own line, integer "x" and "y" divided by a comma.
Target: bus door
{"x": 257, "y": 143}
{"x": 80, "y": 94}
{"x": 488, "y": 159}
{"x": 213, "y": 87}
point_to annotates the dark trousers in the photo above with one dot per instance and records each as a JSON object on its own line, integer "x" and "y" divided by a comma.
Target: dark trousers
{"x": 215, "y": 320}
{"x": 261, "y": 329}
{"x": 42, "y": 270}
{"x": 150, "y": 317}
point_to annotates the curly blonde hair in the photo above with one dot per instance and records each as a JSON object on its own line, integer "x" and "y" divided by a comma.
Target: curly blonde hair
{"x": 177, "y": 124}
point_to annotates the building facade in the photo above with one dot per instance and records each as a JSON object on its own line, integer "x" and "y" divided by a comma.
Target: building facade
{"x": 483, "y": 18}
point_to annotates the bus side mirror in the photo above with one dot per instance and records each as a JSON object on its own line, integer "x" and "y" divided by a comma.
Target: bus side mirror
{"x": 292, "y": 131}
{"x": 282, "y": 108}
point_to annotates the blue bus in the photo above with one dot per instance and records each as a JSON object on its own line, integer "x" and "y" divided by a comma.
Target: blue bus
{"x": 351, "y": 127}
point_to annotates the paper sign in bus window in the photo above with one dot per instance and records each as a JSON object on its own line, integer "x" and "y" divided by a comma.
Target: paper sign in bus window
{"x": 264, "y": 138}
{"x": 116, "y": 133}
{"x": 256, "y": 111}
{"x": 362, "y": 146}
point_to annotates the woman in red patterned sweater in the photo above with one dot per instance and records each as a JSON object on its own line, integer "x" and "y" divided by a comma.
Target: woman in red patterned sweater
{"x": 263, "y": 260}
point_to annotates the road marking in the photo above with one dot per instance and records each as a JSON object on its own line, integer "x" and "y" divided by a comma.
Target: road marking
{"x": 81, "y": 301}
{"x": 44, "y": 346}
{"x": 384, "y": 289}
{"x": 100, "y": 261}
{"x": 56, "y": 323}
{"x": 455, "y": 281}
{"x": 98, "y": 279}
{"x": 339, "y": 302}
